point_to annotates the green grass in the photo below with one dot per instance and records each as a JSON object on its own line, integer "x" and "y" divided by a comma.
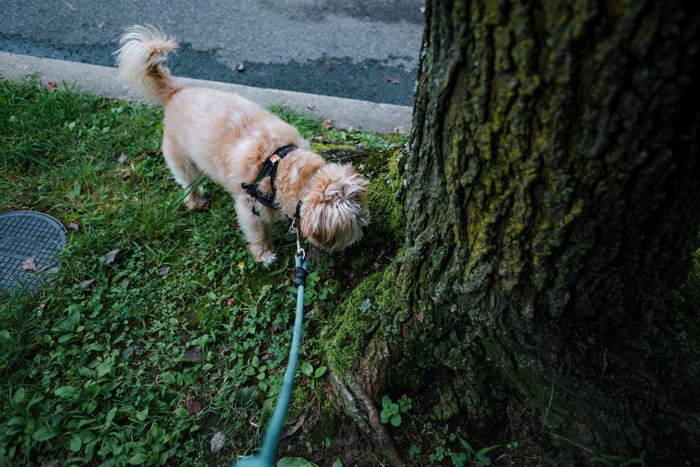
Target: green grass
{"x": 144, "y": 359}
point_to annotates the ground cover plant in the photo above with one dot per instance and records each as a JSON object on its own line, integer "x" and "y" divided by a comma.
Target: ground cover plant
{"x": 159, "y": 341}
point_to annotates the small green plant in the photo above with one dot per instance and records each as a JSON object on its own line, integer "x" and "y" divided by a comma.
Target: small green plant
{"x": 308, "y": 370}
{"x": 391, "y": 411}
{"x": 477, "y": 458}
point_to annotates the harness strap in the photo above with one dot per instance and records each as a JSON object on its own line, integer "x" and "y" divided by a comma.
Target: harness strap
{"x": 269, "y": 169}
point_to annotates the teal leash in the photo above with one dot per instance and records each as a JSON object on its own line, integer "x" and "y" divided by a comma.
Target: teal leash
{"x": 266, "y": 456}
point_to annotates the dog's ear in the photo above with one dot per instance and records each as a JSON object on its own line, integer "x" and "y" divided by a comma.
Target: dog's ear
{"x": 334, "y": 210}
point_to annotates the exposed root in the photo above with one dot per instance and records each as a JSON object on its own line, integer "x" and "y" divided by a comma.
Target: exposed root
{"x": 358, "y": 405}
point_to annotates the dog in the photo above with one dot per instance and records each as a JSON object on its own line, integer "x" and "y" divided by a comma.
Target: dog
{"x": 263, "y": 162}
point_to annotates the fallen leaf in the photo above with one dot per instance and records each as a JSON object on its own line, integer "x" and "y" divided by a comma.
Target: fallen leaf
{"x": 51, "y": 86}
{"x": 193, "y": 355}
{"x": 87, "y": 283}
{"x": 230, "y": 301}
{"x": 295, "y": 425}
{"x": 163, "y": 271}
{"x": 122, "y": 159}
{"x": 124, "y": 283}
{"x": 114, "y": 255}
{"x": 217, "y": 442}
{"x": 73, "y": 225}
{"x": 29, "y": 264}
{"x": 328, "y": 124}
{"x": 193, "y": 406}
{"x": 241, "y": 67}
{"x": 392, "y": 79}
{"x": 276, "y": 328}
{"x": 422, "y": 9}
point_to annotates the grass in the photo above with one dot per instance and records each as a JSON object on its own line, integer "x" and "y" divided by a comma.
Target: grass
{"x": 144, "y": 359}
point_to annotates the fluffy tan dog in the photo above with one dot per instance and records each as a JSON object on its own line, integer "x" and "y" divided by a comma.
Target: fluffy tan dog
{"x": 231, "y": 139}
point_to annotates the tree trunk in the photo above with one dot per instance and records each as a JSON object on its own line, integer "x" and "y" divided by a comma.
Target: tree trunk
{"x": 552, "y": 204}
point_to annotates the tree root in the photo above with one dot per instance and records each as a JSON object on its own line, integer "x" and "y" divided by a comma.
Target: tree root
{"x": 358, "y": 405}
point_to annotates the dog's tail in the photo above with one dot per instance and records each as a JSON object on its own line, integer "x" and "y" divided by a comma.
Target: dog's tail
{"x": 139, "y": 60}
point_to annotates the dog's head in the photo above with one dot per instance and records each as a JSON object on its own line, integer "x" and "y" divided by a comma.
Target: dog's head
{"x": 334, "y": 207}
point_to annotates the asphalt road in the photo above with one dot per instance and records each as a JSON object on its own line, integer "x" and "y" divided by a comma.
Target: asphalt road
{"x": 360, "y": 49}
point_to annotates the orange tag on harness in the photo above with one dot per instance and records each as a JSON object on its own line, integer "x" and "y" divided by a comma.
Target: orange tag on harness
{"x": 274, "y": 159}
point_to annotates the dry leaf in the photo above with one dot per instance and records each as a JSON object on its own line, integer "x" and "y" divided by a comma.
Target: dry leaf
{"x": 193, "y": 355}
{"x": 241, "y": 67}
{"x": 73, "y": 225}
{"x": 124, "y": 283}
{"x": 122, "y": 159}
{"x": 217, "y": 442}
{"x": 51, "y": 86}
{"x": 86, "y": 283}
{"x": 193, "y": 406}
{"x": 392, "y": 79}
{"x": 29, "y": 264}
{"x": 163, "y": 271}
{"x": 422, "y": 9}
{"x": 114, "y": 255}
{"x": 328, "y": 124}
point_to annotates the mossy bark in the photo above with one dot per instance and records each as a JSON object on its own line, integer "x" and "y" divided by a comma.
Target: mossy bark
{"x": 552, "y": 205}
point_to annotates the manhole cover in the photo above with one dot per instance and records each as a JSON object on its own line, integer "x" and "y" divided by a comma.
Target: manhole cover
{"x": 29, "y": 243}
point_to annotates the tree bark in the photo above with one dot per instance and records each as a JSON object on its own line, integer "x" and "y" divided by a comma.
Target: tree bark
{"x": 552, "y": 205}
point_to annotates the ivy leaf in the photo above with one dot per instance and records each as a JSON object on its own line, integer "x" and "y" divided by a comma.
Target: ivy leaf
{"x": 320, "y": 371}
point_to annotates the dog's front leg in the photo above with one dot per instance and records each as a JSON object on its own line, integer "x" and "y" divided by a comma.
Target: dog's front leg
{"x": 255, "y": 230}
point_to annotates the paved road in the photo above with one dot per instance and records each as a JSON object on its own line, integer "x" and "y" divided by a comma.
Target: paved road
{"x": 361, "y": 49}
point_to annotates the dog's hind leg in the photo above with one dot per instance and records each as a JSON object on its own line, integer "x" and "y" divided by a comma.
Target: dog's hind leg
{"x": 185, "y": 173}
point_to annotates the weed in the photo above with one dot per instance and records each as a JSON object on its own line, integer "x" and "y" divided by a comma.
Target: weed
{"x": 391, "y": 411}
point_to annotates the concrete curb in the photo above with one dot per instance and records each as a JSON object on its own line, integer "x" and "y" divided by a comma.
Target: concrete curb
{"x": 103, "y": 81}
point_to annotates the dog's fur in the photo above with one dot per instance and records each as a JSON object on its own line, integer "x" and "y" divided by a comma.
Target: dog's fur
{"x": 229, "y": 138}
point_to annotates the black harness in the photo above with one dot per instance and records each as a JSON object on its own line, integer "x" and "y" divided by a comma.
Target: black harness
{"x": 269, "y": 169}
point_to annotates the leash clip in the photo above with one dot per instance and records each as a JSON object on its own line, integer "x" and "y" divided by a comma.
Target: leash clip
{"x": 294, "y": 230}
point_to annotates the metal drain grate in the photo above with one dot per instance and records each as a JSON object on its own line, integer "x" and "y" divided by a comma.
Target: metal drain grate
{"x": 29, "y": 243}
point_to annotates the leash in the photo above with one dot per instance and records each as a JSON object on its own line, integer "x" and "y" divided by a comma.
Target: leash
{"x": 266, "y": 456}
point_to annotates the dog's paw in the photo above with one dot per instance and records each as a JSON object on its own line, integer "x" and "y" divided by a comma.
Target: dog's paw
{"x": 197, "y": 203}
{"x": 270, "y": 259}
{"x": 263, "y": 254}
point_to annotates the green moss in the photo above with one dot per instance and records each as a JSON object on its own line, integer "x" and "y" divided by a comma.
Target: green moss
{"x": 344, "y": 339}
{"x": 384, "y": 195}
